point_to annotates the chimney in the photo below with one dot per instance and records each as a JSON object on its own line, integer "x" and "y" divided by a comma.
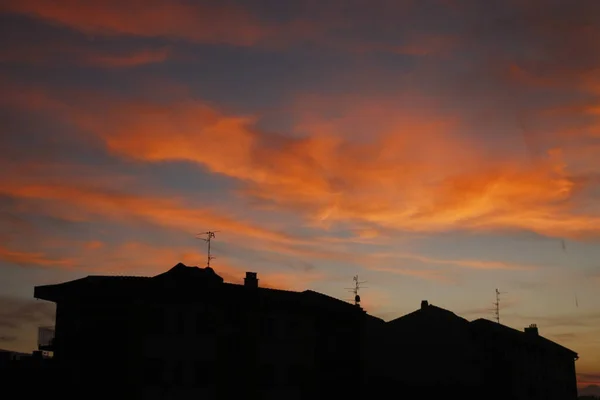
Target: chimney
{"x": 532, "y": 330}
{"x": 251, "y": 280}
{"x": 424, "y": 304}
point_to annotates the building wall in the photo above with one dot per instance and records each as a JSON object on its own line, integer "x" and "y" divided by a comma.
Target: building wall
{"x": 216, "y": 346}
{"x": 93, "y": 345}
{"x": 428, "y": 354}
{"x": 201, "y": 343}
{"x": 183, "y": 349}
{"x": 526, "y": 371}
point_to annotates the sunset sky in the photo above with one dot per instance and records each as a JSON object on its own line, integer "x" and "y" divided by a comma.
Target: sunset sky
{"x": 439, "y": 149}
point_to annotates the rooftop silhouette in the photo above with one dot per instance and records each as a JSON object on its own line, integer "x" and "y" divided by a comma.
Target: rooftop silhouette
{"x": 186, "y": 333}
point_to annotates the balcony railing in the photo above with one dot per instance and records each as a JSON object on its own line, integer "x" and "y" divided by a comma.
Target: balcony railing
{"x": 46, "y": 338}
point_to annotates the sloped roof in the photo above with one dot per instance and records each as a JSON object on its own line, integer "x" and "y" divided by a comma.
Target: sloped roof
{"x": 486, "y": 326}
{"x": 184, "y": 272}
{"x": 180, "y": 278}
{"x": 428, "y": 312}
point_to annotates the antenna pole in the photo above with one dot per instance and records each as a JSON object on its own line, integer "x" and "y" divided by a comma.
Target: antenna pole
{"x": 208, "y": 260}
{"x": 209, "y": 236}
{"x": 355, "y": 289}
{"x": 497, "y": 306}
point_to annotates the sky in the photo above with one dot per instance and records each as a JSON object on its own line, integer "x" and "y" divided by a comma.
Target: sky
{"x": 439, "y": 149}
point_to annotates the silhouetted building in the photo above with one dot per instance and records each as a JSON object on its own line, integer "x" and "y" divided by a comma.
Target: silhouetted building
{"x": 428, "y": 353}
{"x": 186, "y": 333}
{"x": 432, "y": 353}
{"x": 524, "y": 364}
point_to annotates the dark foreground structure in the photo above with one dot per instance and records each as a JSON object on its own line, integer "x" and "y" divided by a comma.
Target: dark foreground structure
{"x": 187, "y": 334}
{"x": 26, "y": 375}
{"x": 433, "y": 353}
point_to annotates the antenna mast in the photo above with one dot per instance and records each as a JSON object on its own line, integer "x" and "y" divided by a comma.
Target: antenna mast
{"x": 209, "y": 236}
{"x": 497, "y": 305}
{"x": 355, "y": 289}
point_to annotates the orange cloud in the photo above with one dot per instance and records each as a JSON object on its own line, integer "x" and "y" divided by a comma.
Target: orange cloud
{"x": 401, "y": 180}
{"x": 413, "y": 171}
{"x": 94, "y": 244}
{"x": 199, "y": 21}
{"x": 471, "y": 264}
{"x": 233, "y": 24}
{"x": 38, "y": 259}
{"x": 430, "y": 275}
{"x": 142, "y": 259}
{"x": 82, "y": 202}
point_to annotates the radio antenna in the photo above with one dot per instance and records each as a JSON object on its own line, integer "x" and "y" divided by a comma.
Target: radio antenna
{"x": 497, "y": 305}
{"x": 355, "y": 289}
{"x": 209, "y": 235}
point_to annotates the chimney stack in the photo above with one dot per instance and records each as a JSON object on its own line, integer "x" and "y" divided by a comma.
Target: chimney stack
{"x": 532, "y": 330}
{"x": 251, "y": 280}
{"x": 424, "y": 304}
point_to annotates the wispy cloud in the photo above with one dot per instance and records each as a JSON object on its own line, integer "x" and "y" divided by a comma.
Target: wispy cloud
{"x": 199, "y": 21}
{"x": 438, "y": 276}
{"x": 45, "y": 53}
{"x": 315, "y": 174}
{"x": 24, "y": 258}
{"x": 19, "y": 320}
{"x": 473, "y": 264}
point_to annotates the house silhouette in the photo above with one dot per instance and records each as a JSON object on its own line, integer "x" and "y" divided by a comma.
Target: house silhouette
{"x": 186, "y": 333}
{"x": 433, "y": 353}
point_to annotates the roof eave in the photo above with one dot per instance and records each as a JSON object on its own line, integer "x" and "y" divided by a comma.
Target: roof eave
{"x": 47, "y": 292}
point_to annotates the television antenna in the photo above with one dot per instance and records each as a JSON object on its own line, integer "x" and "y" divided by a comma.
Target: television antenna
{"x": 356, "y": 288}
{"x": 209, "y": 235}
{"x": 497, "y": 305}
